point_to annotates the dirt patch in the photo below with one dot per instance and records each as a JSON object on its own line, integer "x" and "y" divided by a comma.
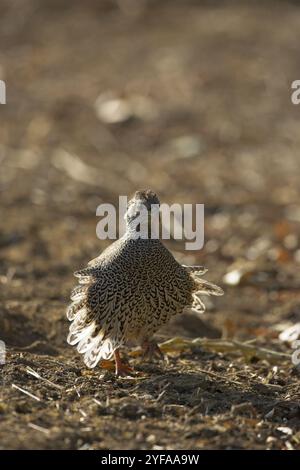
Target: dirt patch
{"x": 208, "y": 88}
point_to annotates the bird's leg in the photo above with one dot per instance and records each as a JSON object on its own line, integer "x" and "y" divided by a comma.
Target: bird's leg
{"x": 122, "y": 370}
{"x": 151, "y": 350}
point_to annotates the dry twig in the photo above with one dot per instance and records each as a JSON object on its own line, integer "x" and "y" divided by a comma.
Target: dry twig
{"x": 248, "y": 350}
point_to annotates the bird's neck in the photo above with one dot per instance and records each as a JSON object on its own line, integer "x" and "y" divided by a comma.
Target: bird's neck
{"x": 144, "y": 226}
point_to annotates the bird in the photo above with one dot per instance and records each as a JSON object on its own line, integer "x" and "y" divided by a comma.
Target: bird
{"x": 134, "y": 287}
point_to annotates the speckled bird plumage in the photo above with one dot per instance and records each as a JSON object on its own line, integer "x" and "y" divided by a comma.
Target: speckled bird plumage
{"x": 133, "y": 288}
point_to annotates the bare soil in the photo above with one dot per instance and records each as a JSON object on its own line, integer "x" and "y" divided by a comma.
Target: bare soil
{"x": 214, "y": 124}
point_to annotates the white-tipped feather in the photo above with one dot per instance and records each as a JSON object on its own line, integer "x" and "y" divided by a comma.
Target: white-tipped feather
{"x": 78, "y": 320}
{"x": 207, "y": 288}
{"x": 88, "y": 343}
{"x": 85, "y": 280}
{"x": 79, "y": 293}
{"x": 198, "y": 305}
{"x": 103, "y": 350}
{"x": 71, "y": 312}
{"x": 76, "y": 336}
{"x": 93, "y": 348}
{"x": 196, "y": 270}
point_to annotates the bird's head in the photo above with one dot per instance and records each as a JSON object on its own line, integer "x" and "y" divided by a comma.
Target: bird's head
{"x": 141, "y": 207}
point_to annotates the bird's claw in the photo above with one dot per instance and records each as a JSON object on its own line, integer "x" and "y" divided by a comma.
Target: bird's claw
{"x": 123, "y": 370}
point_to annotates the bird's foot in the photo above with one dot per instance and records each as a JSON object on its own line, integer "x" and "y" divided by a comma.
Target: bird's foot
{"x": 151, "y": 350}
{"x": 122, "y": 370}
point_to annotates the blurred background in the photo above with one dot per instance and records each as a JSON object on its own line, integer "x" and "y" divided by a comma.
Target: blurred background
{"x": 189, "y": 98}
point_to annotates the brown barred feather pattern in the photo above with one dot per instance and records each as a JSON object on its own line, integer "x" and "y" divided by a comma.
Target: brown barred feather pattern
{"x": 133, "y": 288}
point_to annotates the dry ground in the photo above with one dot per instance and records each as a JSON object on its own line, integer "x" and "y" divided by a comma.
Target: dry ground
{"x": 207, "y": 88}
